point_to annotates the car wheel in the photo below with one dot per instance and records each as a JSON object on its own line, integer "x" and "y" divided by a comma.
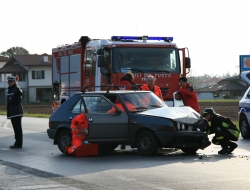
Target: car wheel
{"x": 244, "y": 128}
{"x": 189, "y": 150}
{"x": 64, "y": 139}
{"x": 147, "y": 143}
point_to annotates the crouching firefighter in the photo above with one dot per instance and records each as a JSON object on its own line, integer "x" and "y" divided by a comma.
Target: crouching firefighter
{"x": 79, "y": 130}
{"x": 224, "y": 129}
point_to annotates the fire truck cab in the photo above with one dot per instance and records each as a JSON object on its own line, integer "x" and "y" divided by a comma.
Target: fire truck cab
{"x": 92, "y": 64}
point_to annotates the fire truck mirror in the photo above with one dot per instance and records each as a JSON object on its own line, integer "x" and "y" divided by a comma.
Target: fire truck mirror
{"x": 187, "y": 62}
{"x": 100, "y": 60}
{"x": 100, "y": 52}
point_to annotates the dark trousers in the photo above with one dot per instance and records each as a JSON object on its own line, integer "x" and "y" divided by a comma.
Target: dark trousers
{"x": 17, "y": 126}
{"x": 226, "y": 141}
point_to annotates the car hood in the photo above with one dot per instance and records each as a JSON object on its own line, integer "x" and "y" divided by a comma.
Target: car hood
{"x": 183, "y": 114}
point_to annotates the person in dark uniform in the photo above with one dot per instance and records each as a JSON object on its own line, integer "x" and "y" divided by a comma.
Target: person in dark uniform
{"x": 15, "y": 110}
{"x": 224, "y": 129}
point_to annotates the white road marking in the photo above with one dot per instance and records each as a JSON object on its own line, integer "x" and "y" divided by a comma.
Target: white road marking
{"x": 4, "y": 149}
{"x": 5, "y": 125}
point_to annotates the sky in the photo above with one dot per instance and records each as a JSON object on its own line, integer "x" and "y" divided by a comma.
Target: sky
{"x": 216, "y": 32}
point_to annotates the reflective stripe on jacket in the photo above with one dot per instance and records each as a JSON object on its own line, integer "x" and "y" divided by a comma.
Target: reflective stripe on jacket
{"x": 223, "y": 124}
{"x": 79, "y": 126}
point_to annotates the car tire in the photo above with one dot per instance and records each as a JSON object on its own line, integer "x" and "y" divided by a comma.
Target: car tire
{"x": 64, "y": 139}
{"x": 244, "y": 128}
{"x": 147, "y": 143}
{"x": 189, "y": 150}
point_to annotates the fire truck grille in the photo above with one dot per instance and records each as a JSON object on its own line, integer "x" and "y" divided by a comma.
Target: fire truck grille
{"x": 164, "y": 91}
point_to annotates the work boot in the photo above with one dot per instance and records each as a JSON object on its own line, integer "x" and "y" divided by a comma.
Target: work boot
{"x": 232, "y": 146}
{"x": 224, "y": 151}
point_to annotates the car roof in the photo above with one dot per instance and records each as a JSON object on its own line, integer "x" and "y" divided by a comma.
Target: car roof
{"x": 114, "y": 92}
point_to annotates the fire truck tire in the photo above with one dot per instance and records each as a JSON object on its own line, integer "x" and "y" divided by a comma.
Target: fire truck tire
{"x": 189, "y": 150}
{"x": 64, "y": 139}
{"x": 147, "y": 143}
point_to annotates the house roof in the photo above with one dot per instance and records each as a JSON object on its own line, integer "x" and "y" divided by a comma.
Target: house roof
{"x": 33, "y": 60}
{"x": 13, "y": 68}
{"x": 2, "y": 58}
{"x": 213, "y": 88}
{"x": 24, "y": 61}
{"x": 229, "y": 84}
{"x": 230, "y": 79}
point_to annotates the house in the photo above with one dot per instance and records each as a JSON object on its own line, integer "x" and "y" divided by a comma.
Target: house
{"x": 228, "y": 88}
{"x": 3, "y": 60}
{"x": 34, "y": 74}
{"x": 206, "y": 82}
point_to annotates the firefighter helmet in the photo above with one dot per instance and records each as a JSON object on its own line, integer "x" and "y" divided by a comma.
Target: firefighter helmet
{"x": 208, "y": 111}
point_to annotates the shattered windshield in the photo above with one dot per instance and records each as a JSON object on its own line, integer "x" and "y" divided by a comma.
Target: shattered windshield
{"x": 143, "y": 101}
{"x": 146, "y": 60}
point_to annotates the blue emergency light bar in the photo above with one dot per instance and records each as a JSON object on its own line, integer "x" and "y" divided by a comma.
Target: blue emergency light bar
{"x": 117, "y": 38}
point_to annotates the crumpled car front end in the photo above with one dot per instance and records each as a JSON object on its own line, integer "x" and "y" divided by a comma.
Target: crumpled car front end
{"x": 187, "y": 131}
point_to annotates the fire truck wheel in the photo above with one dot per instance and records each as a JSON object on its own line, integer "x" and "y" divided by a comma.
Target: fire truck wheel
{"x": 189, "y": 150}
{"x": 64, "y": 139}
{"x": 147, "y": 143}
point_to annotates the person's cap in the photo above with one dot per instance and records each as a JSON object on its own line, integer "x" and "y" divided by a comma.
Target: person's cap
{"x": 208, "y": 111}
{"x": 11, "y": 78}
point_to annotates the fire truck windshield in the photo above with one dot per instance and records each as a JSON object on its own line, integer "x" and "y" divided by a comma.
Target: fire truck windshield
{"x": 146, "y": 60}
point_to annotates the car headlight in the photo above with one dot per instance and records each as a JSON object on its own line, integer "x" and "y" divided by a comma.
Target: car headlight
{"x": 183, "y": 127}
{"x": 178, "y": 126}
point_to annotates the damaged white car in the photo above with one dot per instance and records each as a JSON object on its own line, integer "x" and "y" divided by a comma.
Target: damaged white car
{"x": 144, "y": 122}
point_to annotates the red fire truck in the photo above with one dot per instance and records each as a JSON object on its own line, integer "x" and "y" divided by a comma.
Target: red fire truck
{"x": 99, "y": 62}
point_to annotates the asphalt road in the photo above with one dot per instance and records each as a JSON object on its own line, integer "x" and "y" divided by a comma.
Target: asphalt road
{"x": 40, "y": 165}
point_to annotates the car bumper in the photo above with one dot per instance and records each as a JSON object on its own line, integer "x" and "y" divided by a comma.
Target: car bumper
{"x": 51, "y": 133}
{"x": 180, "y": 139}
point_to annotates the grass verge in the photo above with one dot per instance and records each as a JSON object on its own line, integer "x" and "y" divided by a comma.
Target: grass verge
{"x": 222, "y": 100}
{"x": 31, "y": 114}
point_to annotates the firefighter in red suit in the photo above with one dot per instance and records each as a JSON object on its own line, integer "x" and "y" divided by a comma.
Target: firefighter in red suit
{"x": 188, "y": 94}
{"x": 150, "y": 86}
{"x": 126, "y": 82}
{"x": 119, "y": 105}
{"x": 79, "y": 130}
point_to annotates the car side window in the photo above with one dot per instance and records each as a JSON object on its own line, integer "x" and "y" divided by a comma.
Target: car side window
{"x": 103, "y": 106}
{"x": 79, "y": 107}
{"x": 248, "y": 94}
{"x": 91, "y": 104}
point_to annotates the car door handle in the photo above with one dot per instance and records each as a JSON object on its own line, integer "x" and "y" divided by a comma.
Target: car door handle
{"x": 70, "y": 118}
{"x": 90, "y": 119}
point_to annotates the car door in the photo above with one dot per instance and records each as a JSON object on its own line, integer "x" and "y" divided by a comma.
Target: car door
{"x": 103, "y": 127}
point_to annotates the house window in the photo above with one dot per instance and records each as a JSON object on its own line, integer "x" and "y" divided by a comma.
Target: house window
{"x": 38, "y": 74}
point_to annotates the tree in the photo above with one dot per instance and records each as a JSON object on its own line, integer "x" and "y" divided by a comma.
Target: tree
{"x": 15, "y": 51}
